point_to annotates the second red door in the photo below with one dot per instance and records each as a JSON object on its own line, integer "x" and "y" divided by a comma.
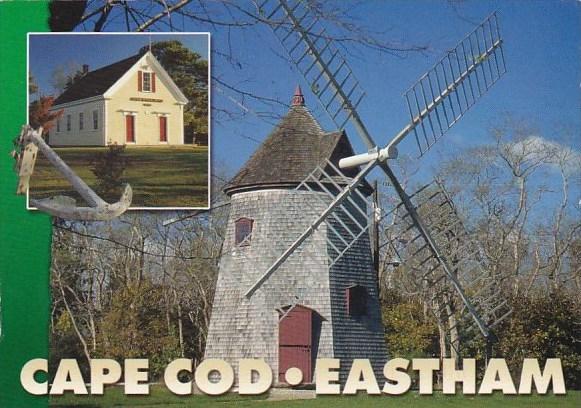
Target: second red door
{"x": 162, "y": 129}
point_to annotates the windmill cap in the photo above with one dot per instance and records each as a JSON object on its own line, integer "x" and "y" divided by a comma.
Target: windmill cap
{"x": 298, "y": 98}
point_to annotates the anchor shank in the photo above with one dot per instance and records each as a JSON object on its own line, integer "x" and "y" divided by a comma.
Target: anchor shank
{"x": 78, "y": 184}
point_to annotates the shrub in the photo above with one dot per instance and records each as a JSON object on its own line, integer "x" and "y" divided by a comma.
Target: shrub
{"x": 108, "y": 167}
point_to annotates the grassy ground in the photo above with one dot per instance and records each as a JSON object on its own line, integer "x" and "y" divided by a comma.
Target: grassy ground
{"x": 173, "y": 176}
{"x": 161, "y": 397}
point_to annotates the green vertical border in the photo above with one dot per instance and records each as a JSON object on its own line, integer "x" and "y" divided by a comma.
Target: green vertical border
{"x": 24, "y": 236}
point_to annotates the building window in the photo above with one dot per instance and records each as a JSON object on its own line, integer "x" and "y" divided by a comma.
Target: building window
{"x": 81, "y": 121}
{"x": 243, "y": 231}
{"x": 147, "y": 82}
{"x": 356, "y": 299}
{"x": 95, "y": 119}
{"x": 58, "y": 125}
{"x": 68, "y": 123}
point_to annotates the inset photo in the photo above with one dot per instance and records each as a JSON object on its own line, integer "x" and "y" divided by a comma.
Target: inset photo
{"x": 122, "y": 109}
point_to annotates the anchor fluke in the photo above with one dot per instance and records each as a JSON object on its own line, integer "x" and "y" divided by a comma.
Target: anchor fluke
{"x": 27, "y": 146}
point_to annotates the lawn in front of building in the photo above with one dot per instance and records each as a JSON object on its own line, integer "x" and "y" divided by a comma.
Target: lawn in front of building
{"x": 160, "y": 396}
{"x": 160, "y": 176}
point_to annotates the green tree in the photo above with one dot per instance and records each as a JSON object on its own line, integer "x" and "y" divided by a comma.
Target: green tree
{"x": 544, "y": 325}
{"x": 108, "y": 167}
{"x": 190, "y": 73}
{"x": 135, "y": 327}
{"x": 410, "y": 331}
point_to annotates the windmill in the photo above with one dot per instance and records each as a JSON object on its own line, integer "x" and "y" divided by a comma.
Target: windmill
{"x": 437, "y": 101}
{"x": 26, "y": 150}
{"x": 296, "y": 281}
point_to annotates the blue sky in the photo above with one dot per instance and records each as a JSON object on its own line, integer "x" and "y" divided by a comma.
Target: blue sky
{"x": 542, "y": 40}
{"x": 47, "y": 51}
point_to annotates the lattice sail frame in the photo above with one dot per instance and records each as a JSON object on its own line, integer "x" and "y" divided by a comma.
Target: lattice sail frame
{"x": 313, "y": 53}
{"x": 348, "y": 228}
{"x": 302, "y": 40}
{"x": 434, "y": 203}
{"x": 345, "y": 223}
{"x": 454, "y": 84}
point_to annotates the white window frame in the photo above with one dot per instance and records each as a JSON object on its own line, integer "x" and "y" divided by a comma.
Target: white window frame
{"x": 147, "y": 88}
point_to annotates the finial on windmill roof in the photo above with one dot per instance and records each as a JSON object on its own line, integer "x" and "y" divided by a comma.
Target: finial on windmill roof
{"x": 298, "y": 98}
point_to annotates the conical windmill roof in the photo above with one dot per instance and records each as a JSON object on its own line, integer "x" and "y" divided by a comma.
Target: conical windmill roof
{"x": 295, "y": 148}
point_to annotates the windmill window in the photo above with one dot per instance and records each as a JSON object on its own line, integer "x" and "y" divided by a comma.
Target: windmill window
{"x": 356, "y": 299}
{"x": 243, "y": 231}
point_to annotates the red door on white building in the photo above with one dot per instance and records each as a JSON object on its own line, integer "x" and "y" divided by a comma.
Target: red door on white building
{"x": 162, "y": 129}
{"x": 130, "y": 129}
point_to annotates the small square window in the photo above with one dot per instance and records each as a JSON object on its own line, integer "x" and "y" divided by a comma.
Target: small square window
{"x": 243, "y": 231}
{"x": 356, "y": 299}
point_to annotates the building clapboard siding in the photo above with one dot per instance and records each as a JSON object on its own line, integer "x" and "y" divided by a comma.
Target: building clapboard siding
{"x": 133, "y": 101}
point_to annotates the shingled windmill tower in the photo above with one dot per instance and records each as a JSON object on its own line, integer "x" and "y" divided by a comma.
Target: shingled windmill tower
{"x": 323, "y": 301}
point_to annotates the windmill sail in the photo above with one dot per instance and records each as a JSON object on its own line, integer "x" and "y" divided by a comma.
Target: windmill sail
{"x": 313, "y": 53}
{"x": 463, "y": 254}
{"x": 443, "y": 94}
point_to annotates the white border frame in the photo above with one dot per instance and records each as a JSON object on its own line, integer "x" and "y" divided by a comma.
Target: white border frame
{"x": 209, "y": 45}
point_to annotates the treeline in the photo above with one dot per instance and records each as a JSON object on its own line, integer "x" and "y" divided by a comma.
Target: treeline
{"x": 133, "y": 288}
{"x": 142, "y": 286}
{"x": 517, "y": 197}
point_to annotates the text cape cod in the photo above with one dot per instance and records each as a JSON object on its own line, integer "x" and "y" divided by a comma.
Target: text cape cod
{"x": 256, "y": 377}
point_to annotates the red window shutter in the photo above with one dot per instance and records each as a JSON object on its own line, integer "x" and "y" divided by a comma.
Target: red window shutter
{"x": 153, "y": 82}
{"x": 139, "y": 81}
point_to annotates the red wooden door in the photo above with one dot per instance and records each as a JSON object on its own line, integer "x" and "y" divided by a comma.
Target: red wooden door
{"x": 162, "y": 129}
{"x": 130, "y": 129}
{"x": 295, "y": 339}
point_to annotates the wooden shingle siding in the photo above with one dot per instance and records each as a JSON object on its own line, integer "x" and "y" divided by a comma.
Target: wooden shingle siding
{"x": 242, "y": 328}
{"x": 264, "y": 191}
{"x": 356, "y": 336}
